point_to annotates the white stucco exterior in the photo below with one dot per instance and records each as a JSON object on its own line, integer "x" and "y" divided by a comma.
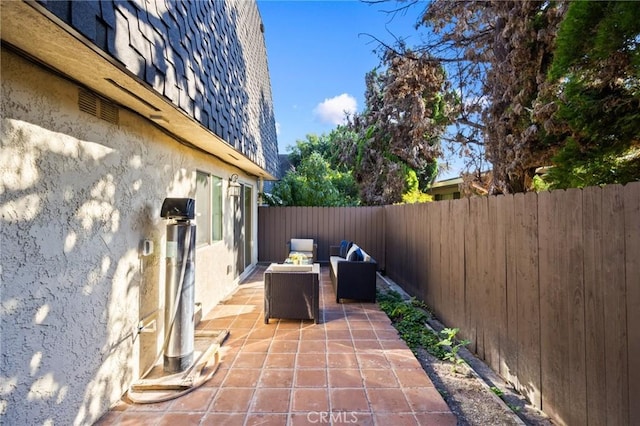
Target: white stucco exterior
{"x": 78, "y": 195}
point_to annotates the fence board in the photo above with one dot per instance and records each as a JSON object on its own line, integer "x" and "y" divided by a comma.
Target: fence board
{"x": 614, "y": 306}
{"x": 472, "y": 273}
{"x": 632, "y": 276}
{"x": 434, "y": 269}
{"x": 460, "y": 212}
{"x": 444, "y": 296}
{"x": 528, "y": 298}
{"x": 483, "y": 282}
{"x": 552, "y": 312}
{"x": 495, "y": 323}
{"x": 509, "y": 336}
{"x": 594, "y": 307}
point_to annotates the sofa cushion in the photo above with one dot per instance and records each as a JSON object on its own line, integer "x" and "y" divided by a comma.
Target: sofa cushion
{"x": 344, "y": 248}
{"x": 276, "y": 267}
{"x": 301, "y": 245}
{"x": 334, "y": 260}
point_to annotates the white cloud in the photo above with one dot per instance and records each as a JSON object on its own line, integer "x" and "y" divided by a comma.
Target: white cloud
{"x": 333, "y": 110}
{"x": 277, "y": 128}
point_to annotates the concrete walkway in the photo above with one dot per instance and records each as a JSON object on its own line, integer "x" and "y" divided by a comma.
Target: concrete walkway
{"x": 352, "y": 368}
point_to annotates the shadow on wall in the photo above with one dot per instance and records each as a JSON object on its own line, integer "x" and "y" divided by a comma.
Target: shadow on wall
{"x": 75, "y": 207}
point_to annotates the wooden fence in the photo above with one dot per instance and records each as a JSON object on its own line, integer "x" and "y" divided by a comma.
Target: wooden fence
{"x": 546, "y": 286}
{"x": 326, "y": 225}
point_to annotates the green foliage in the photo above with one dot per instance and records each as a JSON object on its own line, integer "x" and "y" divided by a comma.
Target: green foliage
{"x": 453, "y": 345}
{"x": 540, "y": 184}
{"x": 592, "y": 31}
{"x": 317, "y": 178}
{"x": 578, "y": 166}
{"x": 496, "y": 391}
{"x": 409, "y": 319}
{"x": 413, "y": 193}
{"x": 315, "y": 183}
{"x": 596, "y": 69}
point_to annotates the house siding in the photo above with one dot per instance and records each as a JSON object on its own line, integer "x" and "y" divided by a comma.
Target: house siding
{"x": 79, "y": 195}
{"x": 208, "y": 58}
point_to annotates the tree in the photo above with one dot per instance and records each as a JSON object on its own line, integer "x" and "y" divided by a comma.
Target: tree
{"x": 498, "y": 54}
{"x": 313, "y": 182}
{"x": 590, "y": 108}
{"x": 408, "y": 106}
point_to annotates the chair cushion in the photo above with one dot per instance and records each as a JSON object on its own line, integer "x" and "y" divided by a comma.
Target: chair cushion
{"x": 302, "y": 245}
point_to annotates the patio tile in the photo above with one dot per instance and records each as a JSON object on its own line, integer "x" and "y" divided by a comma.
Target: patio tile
{"x": 232, "y": 400}
{"x": 340, "y": 346}
{"x": 345, "y": 378}
{"x": 249, "y": 360}
{"x": 374, "y": 378}
{"x": 339, "y": 334}
{"x": 198, "y": 400}
{"x": 310, "y": 399}
{"x": 306, "y": 360}
{"x": 342, "y": 360}
{"x": 313, "y": 346}
{"x": 366, "y": 345}
{"x": 308, "y": 378}
{"x": 363, "y": 334}
{"x": 349, "y": 400}
{"x": 413, "y": 377}
{"x": 223, "y": 419}
{"x": 351, "y": 368}
{"x": 276, "y": 378}
{"x": 372, "y": 360}
{"x": 425, "y": 399}
{"x": 271, "y": 400}
{"x": 398, "y": 419}
{"x": 257, "y": 345}
{"x": 266, "y": 419}
{"x": 280, "y": 360}
{"x": 388, "y": 400}
{"x": 182, "y": 419}
{"x": 284, "y": 346}
{"x": 242, "y": 377}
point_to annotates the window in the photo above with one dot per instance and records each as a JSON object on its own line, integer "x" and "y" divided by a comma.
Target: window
{"x": 208, "y": 208}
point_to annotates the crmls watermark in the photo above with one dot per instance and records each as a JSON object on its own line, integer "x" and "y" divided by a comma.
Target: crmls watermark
{"x": 330, "y": 417}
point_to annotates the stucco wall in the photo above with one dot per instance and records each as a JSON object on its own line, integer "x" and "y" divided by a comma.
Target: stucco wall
{"x": 77, "y": 197}
{"x": 207, "y": 57}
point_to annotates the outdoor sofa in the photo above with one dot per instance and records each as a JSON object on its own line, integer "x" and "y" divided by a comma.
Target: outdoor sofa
{"x": 353, "y": 272}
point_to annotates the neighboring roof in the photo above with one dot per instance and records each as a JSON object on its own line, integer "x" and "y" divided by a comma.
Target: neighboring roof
{"x": 447, "y": 182}
{"x": 199, "y": 70}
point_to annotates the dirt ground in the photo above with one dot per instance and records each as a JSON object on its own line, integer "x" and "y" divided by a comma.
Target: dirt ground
{"x": 467, "y": 391}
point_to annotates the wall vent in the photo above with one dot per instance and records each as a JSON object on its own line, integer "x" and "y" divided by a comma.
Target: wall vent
{"x": 101, "y": 108}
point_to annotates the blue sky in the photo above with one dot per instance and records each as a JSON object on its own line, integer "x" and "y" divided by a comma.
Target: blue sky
{"x": 318, "y": 57}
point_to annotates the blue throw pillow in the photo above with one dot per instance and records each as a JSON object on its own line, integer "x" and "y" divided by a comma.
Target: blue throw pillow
{"x": 356, "y": 256}
{"x": 344, "y": 247}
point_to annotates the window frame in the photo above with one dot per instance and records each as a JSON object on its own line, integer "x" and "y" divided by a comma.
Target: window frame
{"x": 212, "y": 210}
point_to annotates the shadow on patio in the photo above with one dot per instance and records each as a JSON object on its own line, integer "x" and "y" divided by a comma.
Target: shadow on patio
{"x": 351, "y": 368}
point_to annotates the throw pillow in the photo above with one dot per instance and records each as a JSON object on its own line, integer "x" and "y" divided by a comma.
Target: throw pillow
{"x": 344, "y": 248}
{"x": 352, "y": 250}
{"x": 356, "y": 256}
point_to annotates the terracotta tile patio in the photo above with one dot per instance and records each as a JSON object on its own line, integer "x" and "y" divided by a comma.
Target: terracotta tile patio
{"x": 351, "y": 368}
